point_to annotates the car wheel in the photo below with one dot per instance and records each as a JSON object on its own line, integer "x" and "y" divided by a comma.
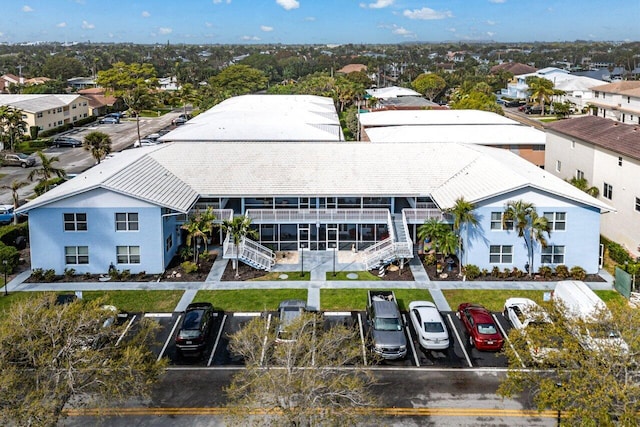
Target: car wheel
{"x": 471, "y": 341}
{"x": 458, "y": 314}
{"x": 24, "y": 165}
{"x": 57, "y": 145}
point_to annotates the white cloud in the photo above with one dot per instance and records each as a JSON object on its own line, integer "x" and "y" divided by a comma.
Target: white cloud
{"x": 427, "y": 14}
{"x": 289, "y": 4}
{"x": 310, "y": 18}
{"x": 27, "y": 8}
{"x": 145, "y": 14}
{"x": 266, "y": 28}
{"x": 497, "y": 1}
{"x": 490, "y": 22}
{"x": 451, "y": 30}
{"x": 111, "y": 35}
{"x": 87, "y": 26}
{"x": 379, "y": 4}
{"x": 61, "y": 24}
{"x": 165, "y": 30}
{"x": 491, "y": 33}
{"x": 250, "y": 38}
{"x": 208, "y": 24}
{"x": 220, "y": 1}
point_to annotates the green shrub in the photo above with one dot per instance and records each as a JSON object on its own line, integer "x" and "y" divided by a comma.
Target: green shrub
{"x": 430, "y": 259}
{"x": 485, "y": 272}
{"x": 578, "y": 273}
{"x": 37, "y": 275}
{"x": 189, "y": 267}
{"x": 517, "y": 273}
{"x": 87, "y": 275}
{"x": 616, "y": 251}
{"x": 495, "y": 271}
{"x": 562, "y": 271}
{"x": 471, "y": 271}
{"x": 114, "y": 274}
{"x": 9, "y": 233}
{"x": 69, "y": 273}
{"x": 185, "y": 253}
{"x": 545, "y": 271}
{"x": 49, "y": 275}
{"x": 12, "y": 256}
{"x": 505, "y": 273}
{"x": 125, "y": 275}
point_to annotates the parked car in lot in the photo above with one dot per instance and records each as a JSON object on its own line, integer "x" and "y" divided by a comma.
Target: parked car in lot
{"x": 533, "y": 110}
{"x": 526, "y": 316}
{"x": 145, "y": 142}
{"x": 109, "y": 121}
{"x": 387, "y": 330}
{"x": 180, "y": 120}
{"x": 117, "y": 115}
{"x": 17, "y": 159}
{"x": 515, "y": 103}
{"x": 288, "y": 312}
{"x": 480, "y": 327}
{"x": 195, "y": 327}
{"x": 66, "y": 141}
{"x": 6, "y": 214}
{"x": 429, "y": 325}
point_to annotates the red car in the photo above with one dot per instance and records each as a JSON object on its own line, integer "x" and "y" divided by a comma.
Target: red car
{"x": 481, "y": 328}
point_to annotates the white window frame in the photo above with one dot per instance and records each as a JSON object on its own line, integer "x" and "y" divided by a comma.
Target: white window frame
{"x": 130, "y": 221}
{"x": 555, "y": 218}
{"x": 127, "y": 254}
{"x": 76, "y": 255}
{"x": 499, "y": 222}
{"x": 607, "y": 191}
{"x": 75, "y": 222}
{"x": 551, "y": 252}
{"x": 506, "y": 257}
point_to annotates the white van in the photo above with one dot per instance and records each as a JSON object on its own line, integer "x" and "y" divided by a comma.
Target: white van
{"x": 582, "y": 304}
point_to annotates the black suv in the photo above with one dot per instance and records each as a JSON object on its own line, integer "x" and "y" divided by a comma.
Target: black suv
{"x": 66, "y": 141}
{"x": 196, "y": 324}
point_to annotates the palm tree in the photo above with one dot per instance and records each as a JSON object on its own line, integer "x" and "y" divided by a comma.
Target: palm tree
{"x": 14, "y": 187}
{"x": 462, "y": 212}
{"x": 447, "y": 243}
{"x": 46, "y": 171}
{"x": 444, "y": 241}
{"x": 541, "y": 90}
{"x": 239, "y": 227}
{"x": 432, "y": 229}
{"x": 12, "y": 124}
{"x": 194, "y": 233}
{"x": 99, "y": 144}
{"x": 187, "y": 95}
{"x": 583, "y": 184}
{"x": 529, "y": 225}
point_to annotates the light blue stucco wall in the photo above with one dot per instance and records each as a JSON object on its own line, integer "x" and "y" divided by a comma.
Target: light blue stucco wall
{"x": 48, "y": 238}
{"x": 581, "y": 237}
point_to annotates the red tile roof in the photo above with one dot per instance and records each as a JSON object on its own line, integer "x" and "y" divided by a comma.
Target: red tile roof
{"x": 606, "y": 133}
{"x": 515, "y": 68}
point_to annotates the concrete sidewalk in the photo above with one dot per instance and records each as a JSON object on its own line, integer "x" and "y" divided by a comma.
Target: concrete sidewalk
{"x": 318, "y": 263}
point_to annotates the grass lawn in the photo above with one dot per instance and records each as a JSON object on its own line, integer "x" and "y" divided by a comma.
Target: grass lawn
{"x": 250, "y": 299}
{"x": 493, "y": 300}
{"x": 275, "y": 276}
{"x": 138, "y": 301}
{"x": 342, "y": 275}
{"x": 356, "y": 299}
{"x": 611, "y": 298}
{"x": 14, "y": 297}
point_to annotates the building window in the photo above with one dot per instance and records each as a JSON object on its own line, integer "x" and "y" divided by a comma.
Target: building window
{"x": 75, "y": 222}
{"x": 558, "y": 165}
{"x": 500, "y": 254}
{"x": 76, "y": 254}
{"x": 607, "y": 191}
{"x": 637, "y": 204}
{"x": 128, "y": 254}
{"x": 496, "y": 222}
{"x": 597, "y": 94}
{"x": 169, "y": 243}
{"x": 126, "y": 221}
{"x": 537, "y": 147}
{"x": 579, "y": 174}
{"x": 39, "y": 114}
{"x": 573, "y": 144}
{"x": 557, "y": 220}
{"x": 619, "y": 161}
{"x": 553, "y": 255}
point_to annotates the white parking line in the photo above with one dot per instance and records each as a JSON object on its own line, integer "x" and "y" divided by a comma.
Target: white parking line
{"x": 158, "y": 314}
{"x": 336, "y": 313}
{"x": 264, "y": 342}
{"x": 215, "y": 345}
{"x": 413, "y": 349}
{"x": 166, "y": 344}
{"x": 126, "y": 329}
{"x": 247, "y": 314}
{"x": 464, "y": 350}
{"x": 364, "y": 350}
{"x": 504, "y": 334}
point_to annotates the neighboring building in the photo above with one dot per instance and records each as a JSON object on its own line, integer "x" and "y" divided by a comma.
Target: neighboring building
{"x": 577, "y": 90}
{"x": 577, "y": 86}
{"x": 399, "y": 98}
{"x": 515, "y": 68}
{"x": 302, "y": 195}
{"x": 391, "y": 92}
{"x": 352, "y": 68}
{"x": 168, "y": 83}
{"x": 607, "y": 154}
{"x": 99, "y": 103}
{"x": 455, "y": 126}
{"x": 6, "y": 80}
{"x": 618, "y": 101}
{"x": 48, "y": 111}
{"x": 77, "y": 83}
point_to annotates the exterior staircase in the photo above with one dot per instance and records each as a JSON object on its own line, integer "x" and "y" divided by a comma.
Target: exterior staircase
{"x": 250, "y": 252}
{"x": 397, "y": 246}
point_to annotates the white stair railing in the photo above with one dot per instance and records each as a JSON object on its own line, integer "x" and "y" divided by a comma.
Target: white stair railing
{"x": 250, "y": 252}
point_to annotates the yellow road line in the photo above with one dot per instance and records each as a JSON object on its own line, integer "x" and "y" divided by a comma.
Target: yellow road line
{"x": 405, "y": 412}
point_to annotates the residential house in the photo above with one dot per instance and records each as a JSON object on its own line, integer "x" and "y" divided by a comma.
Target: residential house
{"x": 304, "y": 196}
{"x": 99, "y": 103}
{"x": 48, "y": 111}
{"x": 618, "y": 101}
{"x": 6, "y": 80}
{"x": 607, "y": 154}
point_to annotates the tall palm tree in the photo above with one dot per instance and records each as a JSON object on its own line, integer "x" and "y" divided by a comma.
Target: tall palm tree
{"x": 583, "y": 184}
{"x": 447, "y": 243}
{"x": 462, "y": 212}
{"x": 99, "y": 144}
{"x": 14, "y": 187}
{"x": 540, "y": 89}
{"x": 12, "y": 125}
{"x": 528, "y": 224}
{"x": 194, "y": 233}
{"x": 239, "y": 227}
{"x": 46, "y": 171}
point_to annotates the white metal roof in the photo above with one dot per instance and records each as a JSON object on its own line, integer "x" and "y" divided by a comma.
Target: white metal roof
{"x": 392, "y": 92}
{"x": 432, "y": 117}
{"x": 37, "y": 102}
{"x": 470, "y": 134}
{"x": 175, "y": 174}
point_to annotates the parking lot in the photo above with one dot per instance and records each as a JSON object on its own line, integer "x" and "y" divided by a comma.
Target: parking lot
{"x": 216, "y": 353}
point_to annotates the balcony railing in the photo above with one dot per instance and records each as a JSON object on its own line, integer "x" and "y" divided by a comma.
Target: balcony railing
{"x": 322, "y": 216}
{"x": 419, "y": 216}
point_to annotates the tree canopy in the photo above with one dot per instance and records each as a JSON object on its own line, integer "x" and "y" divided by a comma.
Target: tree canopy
{"x": 430, "y": 85}
{"x": 53, "y": 354}
{"x": 98, "y": 143}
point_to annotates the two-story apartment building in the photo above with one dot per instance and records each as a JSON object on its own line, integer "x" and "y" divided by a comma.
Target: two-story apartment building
{"x": 618, "y": 101}
{"x": 304, "y": 196}
{"x": 48, "y": 111}
{"x": 607, "y": 154}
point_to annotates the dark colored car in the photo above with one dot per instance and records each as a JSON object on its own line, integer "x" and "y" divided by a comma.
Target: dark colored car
{"x": 178, "y": 121}
{"x": 288, "y": 311}
{"x": 195, "y": 327}
{"x": 480, "y": 326}
{"x": 512, "y": 104}
{"x": 533, "y": 110}
{"x": 109, "y": 120}
{"x": 117, "y": 115}
{"x": 66, "y": 141}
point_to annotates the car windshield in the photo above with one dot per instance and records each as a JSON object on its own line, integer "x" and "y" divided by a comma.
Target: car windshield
{"x": 433, "y": 327}
{"x": 192, "y": 319}
{"x": 22, "y": 156}
{"x": 387, "y": 324}
{"x": 486, "y": 328}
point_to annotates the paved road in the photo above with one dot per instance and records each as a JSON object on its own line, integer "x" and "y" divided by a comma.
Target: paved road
{"x": 76, "y": 160}
{"x": 195, "y": 397}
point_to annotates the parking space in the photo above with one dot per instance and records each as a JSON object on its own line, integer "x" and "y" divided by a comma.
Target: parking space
{"x": 216, "y": 353}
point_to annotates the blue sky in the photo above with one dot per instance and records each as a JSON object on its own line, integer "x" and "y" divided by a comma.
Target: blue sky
{"x": 317, "y": 21}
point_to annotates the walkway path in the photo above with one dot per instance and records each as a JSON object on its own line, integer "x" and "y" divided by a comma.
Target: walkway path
{"x": 319, "y": 263}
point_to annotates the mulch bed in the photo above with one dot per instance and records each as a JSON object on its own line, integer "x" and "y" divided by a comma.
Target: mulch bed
{"x": 245, "y": 272}
{"x": 403, "y": 274}
{"x": 175, "y": 273}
